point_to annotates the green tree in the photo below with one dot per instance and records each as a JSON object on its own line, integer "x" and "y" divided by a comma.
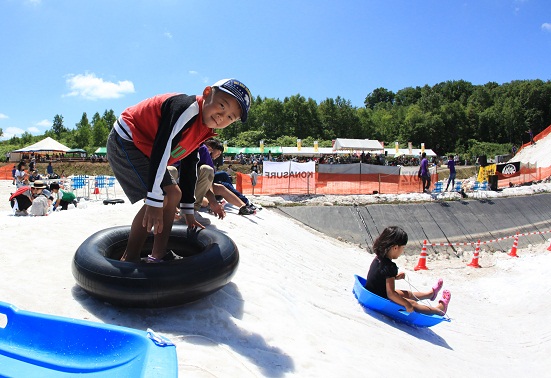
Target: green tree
{"x": 109, "y": 118}
{"x": 57, "y": 126}
{"x": 83, "y": 132}
{"x": 379, "y": 96}
{"x": 100, "y": 131}
{"x": 249, "y": 138}
{"x": 26, "y": 138}
{"x": 299, "y": 116}
{"x": 408, "y": 96}
{"x": 269, "y": 112}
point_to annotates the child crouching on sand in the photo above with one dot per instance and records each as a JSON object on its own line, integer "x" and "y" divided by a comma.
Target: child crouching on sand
{"x": 383, "y": 273}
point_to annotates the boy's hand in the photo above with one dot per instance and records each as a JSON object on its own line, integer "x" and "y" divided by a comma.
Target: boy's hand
{"x": 400, "y": 276}
{"x": 191, "y": 222}
{"x": 218, "y": 210}
{"x": 153, "y": 219}
{"x": 409, "y": 307}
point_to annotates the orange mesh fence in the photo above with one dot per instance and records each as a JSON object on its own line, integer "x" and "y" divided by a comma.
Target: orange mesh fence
{"x": 5, "y": 172}
{"x": 330, "y": 183}
{"x": 345, "y": 184}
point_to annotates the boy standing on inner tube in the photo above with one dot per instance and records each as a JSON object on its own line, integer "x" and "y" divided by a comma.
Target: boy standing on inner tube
{"x": 156, "y": 133}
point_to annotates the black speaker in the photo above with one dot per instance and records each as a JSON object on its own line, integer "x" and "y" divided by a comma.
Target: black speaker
{"x": 482, "y": 160}
{"x": 492, "y": 181}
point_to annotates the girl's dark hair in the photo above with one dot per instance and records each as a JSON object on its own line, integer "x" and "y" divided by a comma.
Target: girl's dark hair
{"x": 21, "y": 165}
{"x": 215, "y": 144}
{"x": 391, "y": 236}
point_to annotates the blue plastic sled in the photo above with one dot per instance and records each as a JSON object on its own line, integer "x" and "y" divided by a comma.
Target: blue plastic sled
{"x": 391, "y": 309}
{"x": 38, "y": 345}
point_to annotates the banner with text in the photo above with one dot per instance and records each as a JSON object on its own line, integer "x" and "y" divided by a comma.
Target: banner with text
{"x": 289, "y": 175}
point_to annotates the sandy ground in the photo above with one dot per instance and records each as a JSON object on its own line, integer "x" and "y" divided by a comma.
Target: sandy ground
{"x": 290, "y": 311}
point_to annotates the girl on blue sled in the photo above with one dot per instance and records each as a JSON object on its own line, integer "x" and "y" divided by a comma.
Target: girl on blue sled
{"x": 383, "y": 273}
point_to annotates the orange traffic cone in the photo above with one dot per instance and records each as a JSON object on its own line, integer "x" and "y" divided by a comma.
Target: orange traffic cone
{"x": 96, "y": 189}
{"x": 513, "y": 252}
{"x": 422, "y": 264}
{"x": 474, "y": 262}
{"x": 549, "y": 248}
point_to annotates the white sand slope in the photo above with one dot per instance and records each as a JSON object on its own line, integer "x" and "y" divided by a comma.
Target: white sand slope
{"x": 290, "y": 311}
{"x": 536, "y": 154}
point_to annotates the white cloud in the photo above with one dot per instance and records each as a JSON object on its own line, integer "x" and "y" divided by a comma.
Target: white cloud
{"x": 44, "y": 123}
{"x": 3, "y": 116}
{"x": 168, "y": 35}
{"x": 10, "y": 132}
{"x": 34, "y": 2}
{"x": 90, "y": 87}
{"x": 33, "y": 130}
{"x": 204, "y": 79}
{"x": 546, "y": 26}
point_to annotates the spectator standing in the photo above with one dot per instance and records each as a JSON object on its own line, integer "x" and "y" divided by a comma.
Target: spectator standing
{"x": 50, "y": 170}
{"x": 451, "y": 167}
{"x": 424, "y": 173}
{"x": 531, "y": 134}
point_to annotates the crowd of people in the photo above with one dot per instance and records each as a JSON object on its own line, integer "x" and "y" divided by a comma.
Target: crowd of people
{"x": 23, "y": 174}
{"x": 33, "y": 195}
{"x": 367, "y": 158}
{"x": 40, "y": 199}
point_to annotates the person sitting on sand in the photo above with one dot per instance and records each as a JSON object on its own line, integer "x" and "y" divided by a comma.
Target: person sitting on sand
{"x": 62, "y": 198}
{"x": 35, "y": 176}
{"x": 383, "y": 273}
{"x": 41, "y": 202}
{"x": 21, "y": 200}
{"x": 21, "y": 177}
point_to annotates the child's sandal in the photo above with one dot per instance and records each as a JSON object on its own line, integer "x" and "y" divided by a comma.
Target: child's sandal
{"x": 436, "y": 288}
{"x": 445, "y": 300}
{"x": 153, "y": 260}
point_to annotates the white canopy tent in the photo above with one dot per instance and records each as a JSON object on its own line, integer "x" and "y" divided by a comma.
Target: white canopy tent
{"x": 310, "y": 151}
{"x": 357, "y": 145}
{"x": 45, "y": 145}
{"x": 405, "y": 152}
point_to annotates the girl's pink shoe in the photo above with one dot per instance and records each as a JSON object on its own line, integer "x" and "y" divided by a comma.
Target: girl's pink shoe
{"x": 445, "y": 300}
{"x": 436, "y": 288}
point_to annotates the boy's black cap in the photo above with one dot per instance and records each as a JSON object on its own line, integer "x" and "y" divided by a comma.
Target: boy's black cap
{"x": 238, "y": 90}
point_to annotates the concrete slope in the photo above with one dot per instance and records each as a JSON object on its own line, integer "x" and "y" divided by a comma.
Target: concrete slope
{"x": 437, "y": 222}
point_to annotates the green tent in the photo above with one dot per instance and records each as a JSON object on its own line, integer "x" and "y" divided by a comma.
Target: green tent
{"x": 77, "y": 151}
{"x": 253, "y": 150}
{"x": 102, "y": 151}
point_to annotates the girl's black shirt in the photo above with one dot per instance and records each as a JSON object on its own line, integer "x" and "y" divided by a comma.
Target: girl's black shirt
{"x": 379, "y": 271}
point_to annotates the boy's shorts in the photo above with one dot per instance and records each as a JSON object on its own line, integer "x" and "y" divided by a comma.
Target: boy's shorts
{"x": 131, "y": 167}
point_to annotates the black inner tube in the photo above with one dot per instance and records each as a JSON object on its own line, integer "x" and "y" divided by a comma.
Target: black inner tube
{"x": 205, "y": 261}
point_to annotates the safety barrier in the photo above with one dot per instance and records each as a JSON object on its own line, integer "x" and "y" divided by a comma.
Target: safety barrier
{"x": 330, "y": 183}
{"x": 488, "y": 241}
{"x": 344, "y": 184}
{"x": 474, "y": 263}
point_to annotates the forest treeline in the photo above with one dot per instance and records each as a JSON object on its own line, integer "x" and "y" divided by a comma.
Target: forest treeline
{"x": 449, "y": 117}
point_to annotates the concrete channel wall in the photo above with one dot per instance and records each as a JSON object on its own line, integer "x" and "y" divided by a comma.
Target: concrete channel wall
{"x": 437, "y": 222}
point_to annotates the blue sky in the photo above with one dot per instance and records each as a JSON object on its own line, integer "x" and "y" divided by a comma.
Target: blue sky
{"x": 73, "y": 56}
